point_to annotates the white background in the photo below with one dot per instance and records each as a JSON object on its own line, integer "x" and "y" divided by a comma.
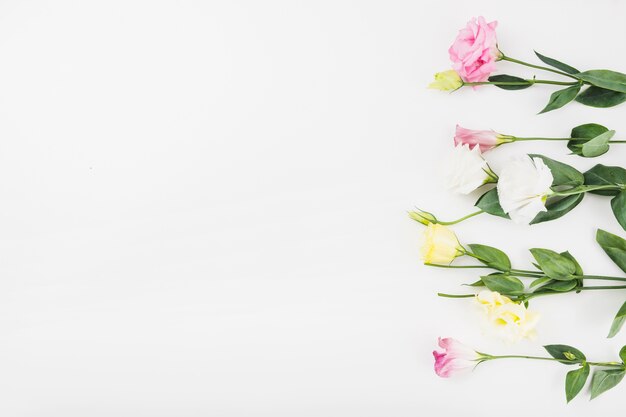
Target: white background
{"x": 204, "y": 207}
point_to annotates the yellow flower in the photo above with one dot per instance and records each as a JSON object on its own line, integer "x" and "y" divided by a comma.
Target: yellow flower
{"x": 439, "y": 245}
{"x": 509, "y": 320}
{"x": 446, "y": 81}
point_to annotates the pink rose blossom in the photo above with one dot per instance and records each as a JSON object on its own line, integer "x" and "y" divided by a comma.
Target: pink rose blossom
{"x": 454, "y": 358}
{"x": 485, "y": 139}
{"x": 475, "y": 51}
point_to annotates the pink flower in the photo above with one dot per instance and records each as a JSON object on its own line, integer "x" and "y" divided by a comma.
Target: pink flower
{"x": 454, "y": 358}
{"x": 475, "y": 51}
{"x": 485, "y": 139}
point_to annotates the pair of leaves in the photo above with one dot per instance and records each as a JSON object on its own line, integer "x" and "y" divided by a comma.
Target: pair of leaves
{"x": 602, "y": 381}
{"x": 608, "y": 175}
{"x": 590, "y": 140}
{"x": 556, "y": 266}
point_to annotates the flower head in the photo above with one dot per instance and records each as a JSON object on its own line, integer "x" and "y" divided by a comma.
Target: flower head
{"x": 508, "y": 320}
{"x": 439, "y": 245}
{"x": 423, "y": 217}
{"x": 523, "y": 187}
{"x": 454, "y": 358}
{"x": 485, "y": 139}
{"x": 466, "y": 170}
{"x": 475, "y": 51}
{"x": 446, "y": 81}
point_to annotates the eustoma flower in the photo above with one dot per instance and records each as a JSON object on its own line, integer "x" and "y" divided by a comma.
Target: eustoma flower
{"x": 454, "y": 358}
{"x": 439, "y": 245}
{"x": 475, "y": 50}
{"x": 484, "y": 139}
{"x": 505, "y": 299}
{"x": 588, "y": 140}
{"x": 446, "y": 81}
{"x": 457, "y": 357}
{"x": 523, "y": 188}
{"x": 508, "y": 320}
{"x": 466, "y": 170}
{"x": 474, "y": 55}
{"x": 535, "y": 189}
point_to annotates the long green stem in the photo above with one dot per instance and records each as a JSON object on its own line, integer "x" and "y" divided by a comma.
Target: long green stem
{"x": 517, "y": 61}
{"x": 541, "y": 358}
{"x": 603, "y": 287}
{"x": 520, "y": 83}
{"x": 587, "y": 188}
{"x": 444, "y": 295}
{"x": 461, "y": 219}
{"x": 515, "y": 139}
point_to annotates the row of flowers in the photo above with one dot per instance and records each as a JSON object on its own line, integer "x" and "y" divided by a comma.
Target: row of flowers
{"x": 529, "y": 189}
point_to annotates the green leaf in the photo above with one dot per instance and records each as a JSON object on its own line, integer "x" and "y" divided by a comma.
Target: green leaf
{"x": 614, "y": 246}
{"x": 611, "y": 80}
{"x": 560, "y": 98}
{"x": 582, "y": 134}
{"x": 503, "y": 78}
{"x": 575, "y": 381}
{"x": 604, "y": 380}
{"x": 563, "y": 174}
{"x": 579, "y": 269}
{"x": 557, "y": 64}
{"x": 558, "y": 208}
{"x": 504, "y": 284}
{"x": 565, "y": 354}
{"x": 598, "y": 145}
{"x": 489, "y": 203}
{"x": 560, "y": 286}
{"x": 492, "y": 257}
{"x": 618, "y": 321}
{"x": 540, "y": 281}
{"x": 622, "y": 354}
{"x": 478, "y": 283}
{"x": 600, "y": 97}
{"x": 605, "y": 175}
{"x": 618, "y": 204}
{"x": 554, "y": 265}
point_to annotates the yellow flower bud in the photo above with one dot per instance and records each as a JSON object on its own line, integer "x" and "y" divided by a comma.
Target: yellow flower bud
{"x": 439, "y": 245}
{"x": 446, "y": 81}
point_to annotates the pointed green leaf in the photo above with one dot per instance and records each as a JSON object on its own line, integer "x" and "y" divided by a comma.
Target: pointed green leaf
{"x": 614, "y": 246}
{"x": 600, "y": 97}
{"x": 567, "y": 355}
{"x": 604, "y": 380}
{"x": 503, "y": 78}
{"x": 618, "y": 321}
{"x": 598, "y": 145}
{"x": 540, "y": 281}
{"x": 557, "y": 64}
{"x": 622, "y": 354}
{"x": 489, "y": 203}
{"x": 575, "y": 381}
{"x": 560, "y": 286}
{"x": 478, "y": 283}
{"x": 618, "y": 204}
{"x": 554, "y": 265}
{"x": 492, "y": 257}
{"x": 611, "y": 80}
{"x": 605, "y": 175}
{"x": 504, "y": 284}
{"x": 560, "y": 98}
{"x": 558, "y": 208}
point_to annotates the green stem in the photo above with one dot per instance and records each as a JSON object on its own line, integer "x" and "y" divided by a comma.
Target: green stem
{"x": 541, "y": 358}
{"x": 457, "y": 266}
{"x": 517, "y": 61}
{"x": 515, "y": 83}
{"x": 461, "y": 219}
{"x": 604, "y": 287}
{"x": 586, "y": 188}
{"x": 601, "y": 277}
{"x": 444, "y": 295}
{"x": 515, "y": 139}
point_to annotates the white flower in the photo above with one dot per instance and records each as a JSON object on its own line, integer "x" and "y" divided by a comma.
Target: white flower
{"x": 466, "y": 170}
{"x": 523, "y": 188}
{"x": 505, "y": 318}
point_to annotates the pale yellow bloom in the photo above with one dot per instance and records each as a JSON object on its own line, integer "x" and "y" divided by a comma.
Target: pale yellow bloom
{"x": 507, "y": 319}
{"x": 439, "y": 245}
{"x": 446, "y": 81}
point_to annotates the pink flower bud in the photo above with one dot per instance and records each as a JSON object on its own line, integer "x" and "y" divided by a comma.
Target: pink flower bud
{"x": 454, "y": 358}
{"x": 486, "y": 139}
